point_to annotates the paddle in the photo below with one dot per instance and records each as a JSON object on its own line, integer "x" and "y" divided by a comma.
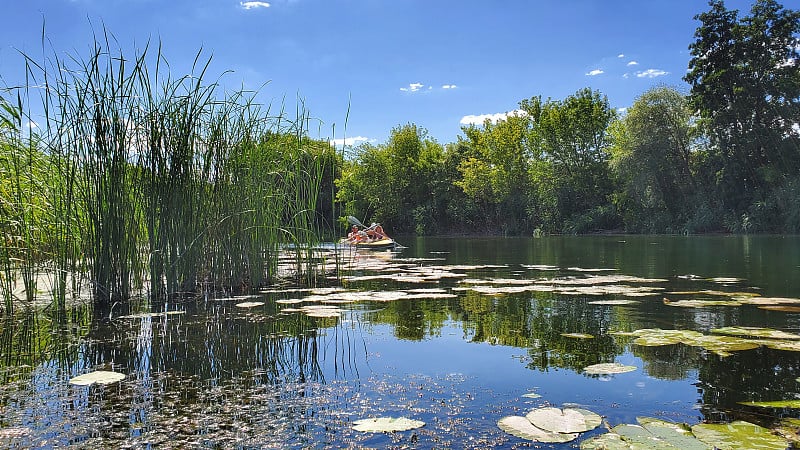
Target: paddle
{"x": 353, "y": 221}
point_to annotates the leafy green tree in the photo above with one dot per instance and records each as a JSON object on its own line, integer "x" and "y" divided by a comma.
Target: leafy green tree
{"x": 571, "y": 142}
{"x": 393, "y": 182}
{"x": 495, "y": 176}
{"x": 746, "y": 86}
{"x": 652, "y": 159}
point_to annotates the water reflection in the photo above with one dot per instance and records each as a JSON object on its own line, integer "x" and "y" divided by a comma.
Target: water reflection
{"x": 219, "y": 375}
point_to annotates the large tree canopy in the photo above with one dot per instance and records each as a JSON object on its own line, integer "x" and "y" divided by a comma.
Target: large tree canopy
{"x": 745, "y": 78}
{"x": 652, "y": 159}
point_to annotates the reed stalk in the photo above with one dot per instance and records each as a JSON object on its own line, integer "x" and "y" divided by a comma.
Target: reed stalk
{"x": 156, "y": 182}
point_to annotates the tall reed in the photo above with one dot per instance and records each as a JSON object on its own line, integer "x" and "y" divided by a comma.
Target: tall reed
{"x": 161, "y": 183}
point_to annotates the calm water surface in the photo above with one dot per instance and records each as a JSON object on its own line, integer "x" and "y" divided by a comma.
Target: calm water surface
{"x": 222, "y": 376}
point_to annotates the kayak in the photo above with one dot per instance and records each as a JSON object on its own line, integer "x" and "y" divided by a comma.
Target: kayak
{"x": 376, "y": 245}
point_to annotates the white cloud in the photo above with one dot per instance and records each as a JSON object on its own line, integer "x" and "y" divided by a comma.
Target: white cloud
{"x": 349, "y": 141}
{"x": 31, "y": 125}
{"x": 621, "y": 55}
{"x": 413, "y": 87}
{"x": 622, "y": 110}
{"x": 493, "y": 118}
{"x": 651, "y": 73}
{"x": 449, "y": 86}
{"x": 595, "y": 72}
{"x": 633, "y": 63}
{"x": 254, "y": 5}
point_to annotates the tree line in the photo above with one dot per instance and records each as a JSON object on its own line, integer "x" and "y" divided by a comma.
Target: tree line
{"x": 722, "y": 157}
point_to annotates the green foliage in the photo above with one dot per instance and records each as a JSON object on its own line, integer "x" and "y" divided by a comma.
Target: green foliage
{"x": 746, "y": 86}
{"x": 652, "y": 161}
{"x": 145, "y": 181}
{"x": 389, "y": 182}
{"x": 571, "y": 142}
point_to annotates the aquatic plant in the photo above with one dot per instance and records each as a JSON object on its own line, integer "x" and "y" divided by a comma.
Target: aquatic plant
{"x": 148, "y": 183}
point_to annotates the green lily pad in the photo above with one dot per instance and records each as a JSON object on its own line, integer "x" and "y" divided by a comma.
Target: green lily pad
{"x": 738, "y": 435}
{"x": 774, "y": 404}
{"x": 386, "y": 424}
{"x": 97, "y": 377}
{"x": 522, "y": 428}
{"x": 701, "y": 303}
{"x": 322, "y": 311}
{"x": 606, "y": 441}
{"x": 678, "y": 435}
{"x": 613, "y": 302}
{"x": 789, "y": 346}
{"x": 638, "y": 437}
{"x": 608, "y": 369}
{"x": 249, "y": 304}
{"x": 155, "y": 314}
{"x": 723, "y": 345}
{"x": 654, "y": 337}
{"x": 725, "y": 280}
{"x": 767, "y": 301}
{"x": 768, "y": 333}
{"x": 651, "y": 434}
{"x": 578, "y": 335}
{"x": 567, "y": 420}
{"x": 781, "y": 308}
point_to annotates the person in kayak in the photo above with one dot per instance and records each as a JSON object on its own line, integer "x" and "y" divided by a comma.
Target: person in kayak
{"x": 355, "y": 235}
{"x": 375, "y": 232}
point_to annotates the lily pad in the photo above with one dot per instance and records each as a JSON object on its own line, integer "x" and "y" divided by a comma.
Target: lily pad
{"x": 155, "y": 314}
{"x": 522, "y": 428}
{"x": 701, "y": 303}
{"x": 738, "y": 435}
{"x": 653, "y": 337}
{"x": 650, "y": 436}
{"x": 606, "y": 441}
{"x": 608, "y": 369}
{"x": 677, "y": 434}
{"x": 578, "y": 335}
{"x": 789, "y": 346}
{"x": 769, "y": 301}
{"x": 567, "y": 420}
{"x": 781, "y": 308}
{"x": 249, "y": 304}
{"x": 321, "y": 311}
{"x": 386, "y": 424}
{"x": 613, "y": 302}
{"x": 725, "y": 280}
{"x": 97, "y": 377}
{"x": 774, "y": 404}
{"x": 756, "y": 332}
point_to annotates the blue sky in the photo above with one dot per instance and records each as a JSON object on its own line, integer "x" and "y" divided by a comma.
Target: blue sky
{"x": 437, "y": 63}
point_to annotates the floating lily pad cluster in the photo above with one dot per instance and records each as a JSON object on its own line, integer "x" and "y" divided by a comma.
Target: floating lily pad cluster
{"x": 616, "y": 284}
{"x": 551, "y": 425}
{"x": 650, "y": 433}
{"x": 724, "y": 340}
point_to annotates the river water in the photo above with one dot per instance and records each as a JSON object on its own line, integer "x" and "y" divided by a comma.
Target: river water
{"x": 456, "y": 333}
